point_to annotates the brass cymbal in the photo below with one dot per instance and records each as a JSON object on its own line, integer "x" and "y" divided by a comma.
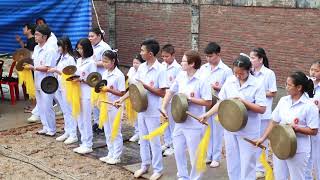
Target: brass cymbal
{"x": 21, "y": 53}
{"x": 49, "y": 84}
{"x": 20, "y": 64}
{"x": 69, "y": 70}
{"x": 100, "y": 84}
{"x": 93, "y": 79}
{"x": 71, "y": 78}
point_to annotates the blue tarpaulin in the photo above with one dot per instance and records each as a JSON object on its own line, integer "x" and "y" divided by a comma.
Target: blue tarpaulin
{"x": 64, "y": 17}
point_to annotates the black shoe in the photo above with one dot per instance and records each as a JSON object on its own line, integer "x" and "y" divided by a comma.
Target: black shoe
{"x": 95, "y": 128}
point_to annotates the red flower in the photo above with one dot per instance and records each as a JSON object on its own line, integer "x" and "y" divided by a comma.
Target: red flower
{"x": 192, "y": 94}
{"x": 296, "y": 120}
{"x": 316, "y": 102}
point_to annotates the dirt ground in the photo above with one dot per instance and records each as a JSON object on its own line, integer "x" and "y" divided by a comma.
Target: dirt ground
{"x": 51, "y": 156}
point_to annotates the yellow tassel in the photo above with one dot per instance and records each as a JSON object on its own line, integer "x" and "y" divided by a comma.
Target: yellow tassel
{"x": 75, "y": 98}
{"x": 266, "y": 166}
{"x": 159, "y": 131}
{"x": 202, "y": 151}
{"x": 25, "y": 76}
{"x": 116, "y": 124}
{"x": 131, "y": 114}
{"x": 103, "y": 109}
{"x": 67, "y": 86}
{"x": 94, "y": 97}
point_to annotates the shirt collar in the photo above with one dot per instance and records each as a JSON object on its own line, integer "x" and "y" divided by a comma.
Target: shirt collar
{"x": 250, "y": 81}
{"x": 303, "y": 99}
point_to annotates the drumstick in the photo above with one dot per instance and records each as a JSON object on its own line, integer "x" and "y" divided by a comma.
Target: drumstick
{"x": 195, "y": 117}
{"x": 110, "y": 103}
{"x": 163, "y": 114}
{"x": 253, "y": 143}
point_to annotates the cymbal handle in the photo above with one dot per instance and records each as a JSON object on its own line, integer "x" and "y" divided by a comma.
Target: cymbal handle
{"x": 195, "y": 117}
{"x": 253, "y": 143}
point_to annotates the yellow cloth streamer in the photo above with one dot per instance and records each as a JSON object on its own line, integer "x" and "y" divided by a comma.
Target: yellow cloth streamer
{"x": 266, "y": 166}
{"x": 131, "y": 114}
{"x": 159, "y": 131}
{"x": 67, "y": 85}
{"x": 202, "y": 151}
{"x": 103, "y": 109}
{"x": 25, "y": 76}
{"x": 74, "y": 92}
{"x": 116, "y": 124}
{"x": 94, "y": 97}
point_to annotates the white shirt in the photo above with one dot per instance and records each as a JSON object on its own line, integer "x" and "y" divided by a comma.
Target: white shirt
{"x": 84, "y": 68}
{"x": 192, "y": 87}
{"x": 98, "y": 51}
{"x": 267, "y": 78}
{"x": 303, "y": 112}
{"x": 172, "y": 71}
{"x": 66, "y": 60}
{"x": 250, "y": 91}
{"x": 115, "y": 80}
{"x": 132, "y": 73}
{"x": 156, "y": 77}
{"x": 43, "y": 56}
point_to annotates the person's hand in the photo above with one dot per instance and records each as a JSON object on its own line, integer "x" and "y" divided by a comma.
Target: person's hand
{"x": 215, "y": 86}
{"x": 18, "y": 38}
{"x": 203, "y": 118}
{"x": 28, "y": 67}
{"x": 258, "y": 141}
{"x": 104, "y": 89}
{"x": 163, "y": 115}
{"x": 117, "y": 103}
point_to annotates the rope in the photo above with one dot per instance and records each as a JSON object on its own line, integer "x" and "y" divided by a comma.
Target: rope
{"x": 97, "y": 18}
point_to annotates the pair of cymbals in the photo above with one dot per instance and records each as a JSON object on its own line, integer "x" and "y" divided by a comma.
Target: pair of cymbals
{"x": 69, "y": 70}
{"x": 21, "y": 63}
{"x": 21, "y": 53}
{"x": 92, "y": 80}
{"x": 49, "y": 84}
{"x": 100, "y": 84}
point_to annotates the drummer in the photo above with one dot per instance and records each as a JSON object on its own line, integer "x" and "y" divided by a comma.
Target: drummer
{"x": 187, "y": 135}
{"x": 85, "y": 66}
{"x": 152, "y": 75}
{"x": 267, "y": 77}
{"x": 215, "y": 72}
{"x": 66, "y": 58}
{"x": 173, "y": 69}
{"x": 115, "y": 89}
{"x": 296, "y": 110}
{"x": 240, "y": 155}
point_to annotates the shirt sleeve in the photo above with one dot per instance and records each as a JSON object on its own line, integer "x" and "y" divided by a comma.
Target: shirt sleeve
{"x": 222, "y": 93}
{"x": 272, "y": 83}
{"x": 205, "y": 91}
{"x": 260, "y": 96}
{"x": 276, "y": 113}
{"x": 312, "y": 117}
{"x": 121, "y": 83}
{"x": 162, "y": 79}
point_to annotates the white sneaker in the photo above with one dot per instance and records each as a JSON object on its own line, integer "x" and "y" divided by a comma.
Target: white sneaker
{"x": 155, "y": 176}
{"x": 83, "y": 150}
{"x": 140, "y": 172}
{"x": 42, "y": 132}
{"x": 214, "y": 164}
{"x": 260, "y": 175}
{"x": 33, "y": 118}
{"x": 63, "y": 137}
{"x": 105, "y": 158}
{"x": 71, "y": 140}
{"x": 165, "y": 146}
{"x": 169, "y": 151}
{"x": 113, "y": 161}
{"x": 134, "y": 138}
{"x": 51, "y": 134}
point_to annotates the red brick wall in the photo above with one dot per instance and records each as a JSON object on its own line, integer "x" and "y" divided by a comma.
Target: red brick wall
{"x": 101, "y": 8}
{"x": 168, "y": 23}
{"x": 291, "y": 37}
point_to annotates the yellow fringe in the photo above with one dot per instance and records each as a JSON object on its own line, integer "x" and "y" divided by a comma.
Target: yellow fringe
{"x": 159, "y": 131}
{"x": 131, "y": 114}
{"x": 103, "y": 109}
{"x": 74, "y": 93}
{"x": 116, "y": 124}
{"x": 266, "y": 166}
{"x": 67, "y": 86}
{"x": 202, "y": 151}
{"x": 94, "y": 97}
{"x": 25, "y": 76}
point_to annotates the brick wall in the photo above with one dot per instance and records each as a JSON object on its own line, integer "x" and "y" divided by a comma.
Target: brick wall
{"x": 101, "y": 8}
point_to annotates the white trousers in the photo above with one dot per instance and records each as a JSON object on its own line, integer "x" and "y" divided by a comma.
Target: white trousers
{"x": 147, "y": 125}
{"x": 216, "y": 140}
{"x": 314, "y": 160}
{"x": 294, "y": 167}
{"x": 189, "y": 140}
{"x": 70, "y": 124}
{"x": 114, "y": 147}
{"x": 241, "y": 157}
{"x": 47, "y": 115}
{"x": 168, "y": 132}
{"x": 263, "y": 127}
{"x": 96, "y": 114}
{"x": 84, "y": 123}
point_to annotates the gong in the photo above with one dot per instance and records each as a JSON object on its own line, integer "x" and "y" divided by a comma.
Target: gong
{"x": 138, "y": 97}
{"x": 283, "y": 141}
{"x": 20, "y": 54}
{"x": 214, "y": 99}
{"x": 100, "y": 84}
{"x": 69, "y": 70}
{"x": 232, "y": 114}
{"x": 179, "y": 107}
{"x": 20, "y": 64}
{"x": 93, "y": 79}
{"x": 49, "y": 84}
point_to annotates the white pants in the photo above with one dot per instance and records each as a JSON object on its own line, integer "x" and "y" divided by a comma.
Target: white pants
{"x": 263, "y": 127}
{"x": 114, "y": 147}
{"x": 295, "y": 167}
{"x": 70, "y": 124}
{"x": 168, "y": 132}
{"x": 241, "y": 157}
{"x": 35, "y": 110}
{"x": 136, "y": 128}
{"x": 314, "y": 160}
{"x": 189, "y": 140}
{"x": 147, "y": 125}
{"x": 216, "y": 137}
{"x": 84, "y": 123}
{"x": 96, "y": 114}
{"x": 47, "y": 115}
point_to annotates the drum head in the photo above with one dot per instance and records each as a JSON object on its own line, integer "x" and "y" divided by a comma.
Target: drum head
{"x": 99, "y": 85}
{"x": 232, "y": 114}
{"x": 49, "y": 84}
{"x": 23, "y": 62}
{"x": 21, "y": 53}
{"x": 71, "y": 78}
{"x": 179, "y": 107}
{"x": 93, "y": 79}
{"x": 138, "y": 97}
{"x": 69, "y": 70}
{"x": 283, "y": 141}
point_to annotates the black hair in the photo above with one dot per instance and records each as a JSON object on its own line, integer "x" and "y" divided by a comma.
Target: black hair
{"x": 168, "y": 48}
{"x": 260, "y": 53}
{"x": 212, "y": 47}
{"x": 98, "y": 32}
{"x": 113, "y": 55}
{"x": 243, "y": 62}
{"x": 151, "y": 45}
{"x": 44, "y": 30}
{"x": 65, "y": 43}
{"x": 299, "y": 78}
{"x": 86, "y": 46}
{"x": 32, "y": 27}
{"x": 193, "y": 57}
{"x": 41, "y": 19}
{"x": 139, "y": 57}
{"x": 316, "y": 62}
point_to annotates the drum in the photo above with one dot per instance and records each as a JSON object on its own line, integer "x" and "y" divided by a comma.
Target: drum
{"x": 138, "y": 97}
{"x": 69, "y": 70}
{"x": 179, "y": 107}
{"x": 232, "y": 114}
{"x": 283, "y": 141}
{"x": 93, "y": 79}
{"x": 21, "y": 63}
{"x": 49, "y": 84}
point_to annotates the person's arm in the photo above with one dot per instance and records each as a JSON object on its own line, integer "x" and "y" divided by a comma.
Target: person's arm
{"x": 252, "y": 106}
{"x": 157, "y": 91}
{"x": 19, "y": 40}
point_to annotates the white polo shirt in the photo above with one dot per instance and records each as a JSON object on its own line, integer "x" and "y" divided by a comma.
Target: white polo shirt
{"x": 98, "y": 51}
{"x": 172, "y": 71}
{"x": 66, "y": 60}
